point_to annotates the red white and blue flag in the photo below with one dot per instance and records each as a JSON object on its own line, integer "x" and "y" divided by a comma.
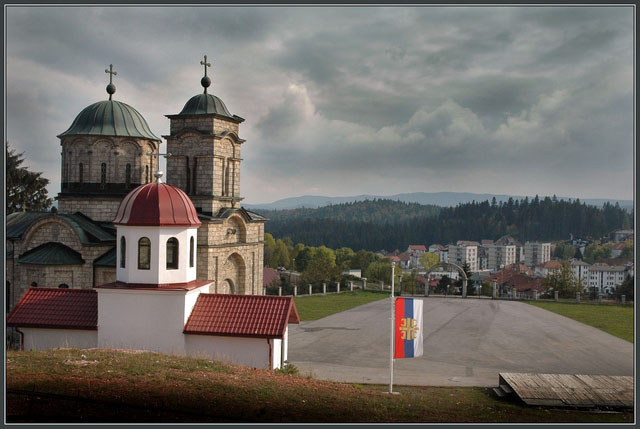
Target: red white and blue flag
{"x": 408, "y": 335}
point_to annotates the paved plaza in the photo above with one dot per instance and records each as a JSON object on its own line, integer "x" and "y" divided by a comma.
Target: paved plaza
{"x": 467, "y": 342}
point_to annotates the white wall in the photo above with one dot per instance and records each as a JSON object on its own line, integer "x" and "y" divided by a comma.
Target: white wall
{"x": 145, "y": 319}
{"x": 158, "y": 237}
{"x": 276, "y": 354}
{"x": 253, "y": 352}
{"x": 42, "y": 339}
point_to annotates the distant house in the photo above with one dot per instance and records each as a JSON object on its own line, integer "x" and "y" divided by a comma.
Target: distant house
{"x": 548, "y": 268}
{"x": 622, "y": 234}
{"x": 415, "y": 252}
{"x": 354, "y": 273}
{"x": 402, "y": 260}
{"x": 442, "y": 251}
{"x": 617, "y": 249}
{"x": 270, "y": 278}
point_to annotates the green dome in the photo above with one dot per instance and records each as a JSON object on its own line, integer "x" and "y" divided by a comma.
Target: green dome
{"x": 110, "y": 118}
{"x": 203, "y": 104}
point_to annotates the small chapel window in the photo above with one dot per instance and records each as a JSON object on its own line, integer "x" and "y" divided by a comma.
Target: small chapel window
{"x": 146, "y": 174}
{"x": 80, "y": 173}
{"x": 191, "y": 252}
{"x": 103, "y": 174}
{"x": 123, "y": 251}
{"x": 172, "y": 253}
{"x": 144, "y": 253}
{"x": 127, "y": 175}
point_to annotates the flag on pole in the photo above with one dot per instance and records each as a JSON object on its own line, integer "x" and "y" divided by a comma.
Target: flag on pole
{"x": 408, "y": 335}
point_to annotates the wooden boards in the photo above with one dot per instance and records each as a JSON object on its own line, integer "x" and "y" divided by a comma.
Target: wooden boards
{"x": 566, "y": 390}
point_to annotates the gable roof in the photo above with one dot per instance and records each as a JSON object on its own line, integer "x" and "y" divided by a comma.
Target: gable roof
{"x": 551, "y": 265}
{"x": 417, "y": 247}
{"x": 51, "y": 254}
{"x": 241, "y": 315}
{"x": 56, "y": 308}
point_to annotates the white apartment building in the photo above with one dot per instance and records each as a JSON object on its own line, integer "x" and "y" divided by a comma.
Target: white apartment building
{"x": 536, "y": 253}
{"x": 605, "y": 278}
{"x": 580, "y": 271}
{"x": 500, "y": 256}
{"x": 463, "y": 254}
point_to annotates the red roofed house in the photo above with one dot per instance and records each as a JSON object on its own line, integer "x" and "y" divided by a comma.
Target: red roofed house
{"x": 548, "y": 267}
{"x": 156, "y": 303}
{"x": 415, "y": 253}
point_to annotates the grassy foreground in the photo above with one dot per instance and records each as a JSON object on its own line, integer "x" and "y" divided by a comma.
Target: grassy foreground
{"x": 318, "y": 306}
{"x": 116, "y": 386}
{"x": 613, "y": 319}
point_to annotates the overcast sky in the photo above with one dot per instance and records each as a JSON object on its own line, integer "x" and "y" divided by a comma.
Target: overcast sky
{"x": 345, "y": 101}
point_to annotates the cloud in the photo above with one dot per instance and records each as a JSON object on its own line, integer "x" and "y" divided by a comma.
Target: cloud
{"x": 351, "y": 100}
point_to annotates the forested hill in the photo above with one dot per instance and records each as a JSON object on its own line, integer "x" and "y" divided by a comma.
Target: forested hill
{"x": 378, "y": 211}
{"x": 527, "y": 220}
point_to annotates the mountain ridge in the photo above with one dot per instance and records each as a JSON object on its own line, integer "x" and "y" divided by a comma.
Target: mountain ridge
{"x": 442, "y": 199}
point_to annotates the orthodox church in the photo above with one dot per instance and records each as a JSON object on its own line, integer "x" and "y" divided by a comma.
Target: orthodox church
{"x": 156, "y": 302}
{"x": 108, "y": 151}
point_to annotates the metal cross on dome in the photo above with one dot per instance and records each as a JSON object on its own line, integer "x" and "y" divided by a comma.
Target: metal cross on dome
{"x": 205, "y": 64}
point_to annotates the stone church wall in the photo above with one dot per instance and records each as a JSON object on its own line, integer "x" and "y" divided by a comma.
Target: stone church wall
{"x": 52, "y": 229}
{"x": 101, "y": 210}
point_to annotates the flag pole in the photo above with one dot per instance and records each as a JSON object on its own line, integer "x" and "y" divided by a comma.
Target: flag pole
{"x": 393, "y": 322}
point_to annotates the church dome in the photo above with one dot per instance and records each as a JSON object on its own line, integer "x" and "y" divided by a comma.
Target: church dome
{"x": 110, "y": 118}
{"x": 202, "y": 104}
{"x": 157, "y": 204}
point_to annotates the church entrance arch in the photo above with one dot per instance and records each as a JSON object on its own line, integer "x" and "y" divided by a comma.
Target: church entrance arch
{"x": 228, "y": 286}
{"x": 449, "y": 267}
{"x": 234, "y": 274}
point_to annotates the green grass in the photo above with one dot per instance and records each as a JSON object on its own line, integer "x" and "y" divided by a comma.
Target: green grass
{"x": 318, "y": 306}
{"x": 114, "y": 386}
{"x": 613, "y": 319}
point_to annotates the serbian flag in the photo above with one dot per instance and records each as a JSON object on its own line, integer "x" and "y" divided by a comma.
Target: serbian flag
{"x": 408, "y": 341}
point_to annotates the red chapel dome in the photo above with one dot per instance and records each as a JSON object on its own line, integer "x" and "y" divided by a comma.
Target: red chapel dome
{"x": 157, "y": 204}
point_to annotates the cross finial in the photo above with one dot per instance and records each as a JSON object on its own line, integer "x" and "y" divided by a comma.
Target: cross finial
{"x": 111, "y": 88}
{"x": 205, "y": 64}
{"x": 205, "y": 81}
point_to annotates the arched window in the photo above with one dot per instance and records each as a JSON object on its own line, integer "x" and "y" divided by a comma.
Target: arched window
{"x": 191, "y": 252}
{"x": 127, "y": 175}
{"x": 146, "y": 174}
{"x": 80, "y": 173}
{"x": 123, "y": 251}
{"x": 103, "y": 174}
{"x": 172, "y": 253}
{"x": 34, "y": 284}
{"x": 144, "y": 254}
{"x": 63, "y": 286}
{"x": 226, "y": 179}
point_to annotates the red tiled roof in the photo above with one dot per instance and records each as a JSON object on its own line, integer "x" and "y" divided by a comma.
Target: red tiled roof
{"x": 157, "y": 204}
{"x": 417, "y": 247}
{"x": 241, "y": 315}
{"x": 56, "y": 308}
{"x": 193, "y": 284}
{"x": 269, "y": 276}
{"x": 554, "y": 265}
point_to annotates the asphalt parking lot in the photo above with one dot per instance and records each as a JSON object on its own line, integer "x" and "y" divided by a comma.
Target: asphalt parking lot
{"x": 467, "y": 342}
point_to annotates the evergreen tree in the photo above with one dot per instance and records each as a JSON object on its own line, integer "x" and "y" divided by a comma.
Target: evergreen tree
{"x": 25, "y": 190}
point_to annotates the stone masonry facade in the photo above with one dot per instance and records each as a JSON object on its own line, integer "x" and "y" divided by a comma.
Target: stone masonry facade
{"x": 205, "y": 163}
{"x": 99, "y": 170}
{"x": 52, "y": 229}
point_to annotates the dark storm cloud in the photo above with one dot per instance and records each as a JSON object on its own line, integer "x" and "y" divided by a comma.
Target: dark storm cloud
{"x": 352, "y": 100}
